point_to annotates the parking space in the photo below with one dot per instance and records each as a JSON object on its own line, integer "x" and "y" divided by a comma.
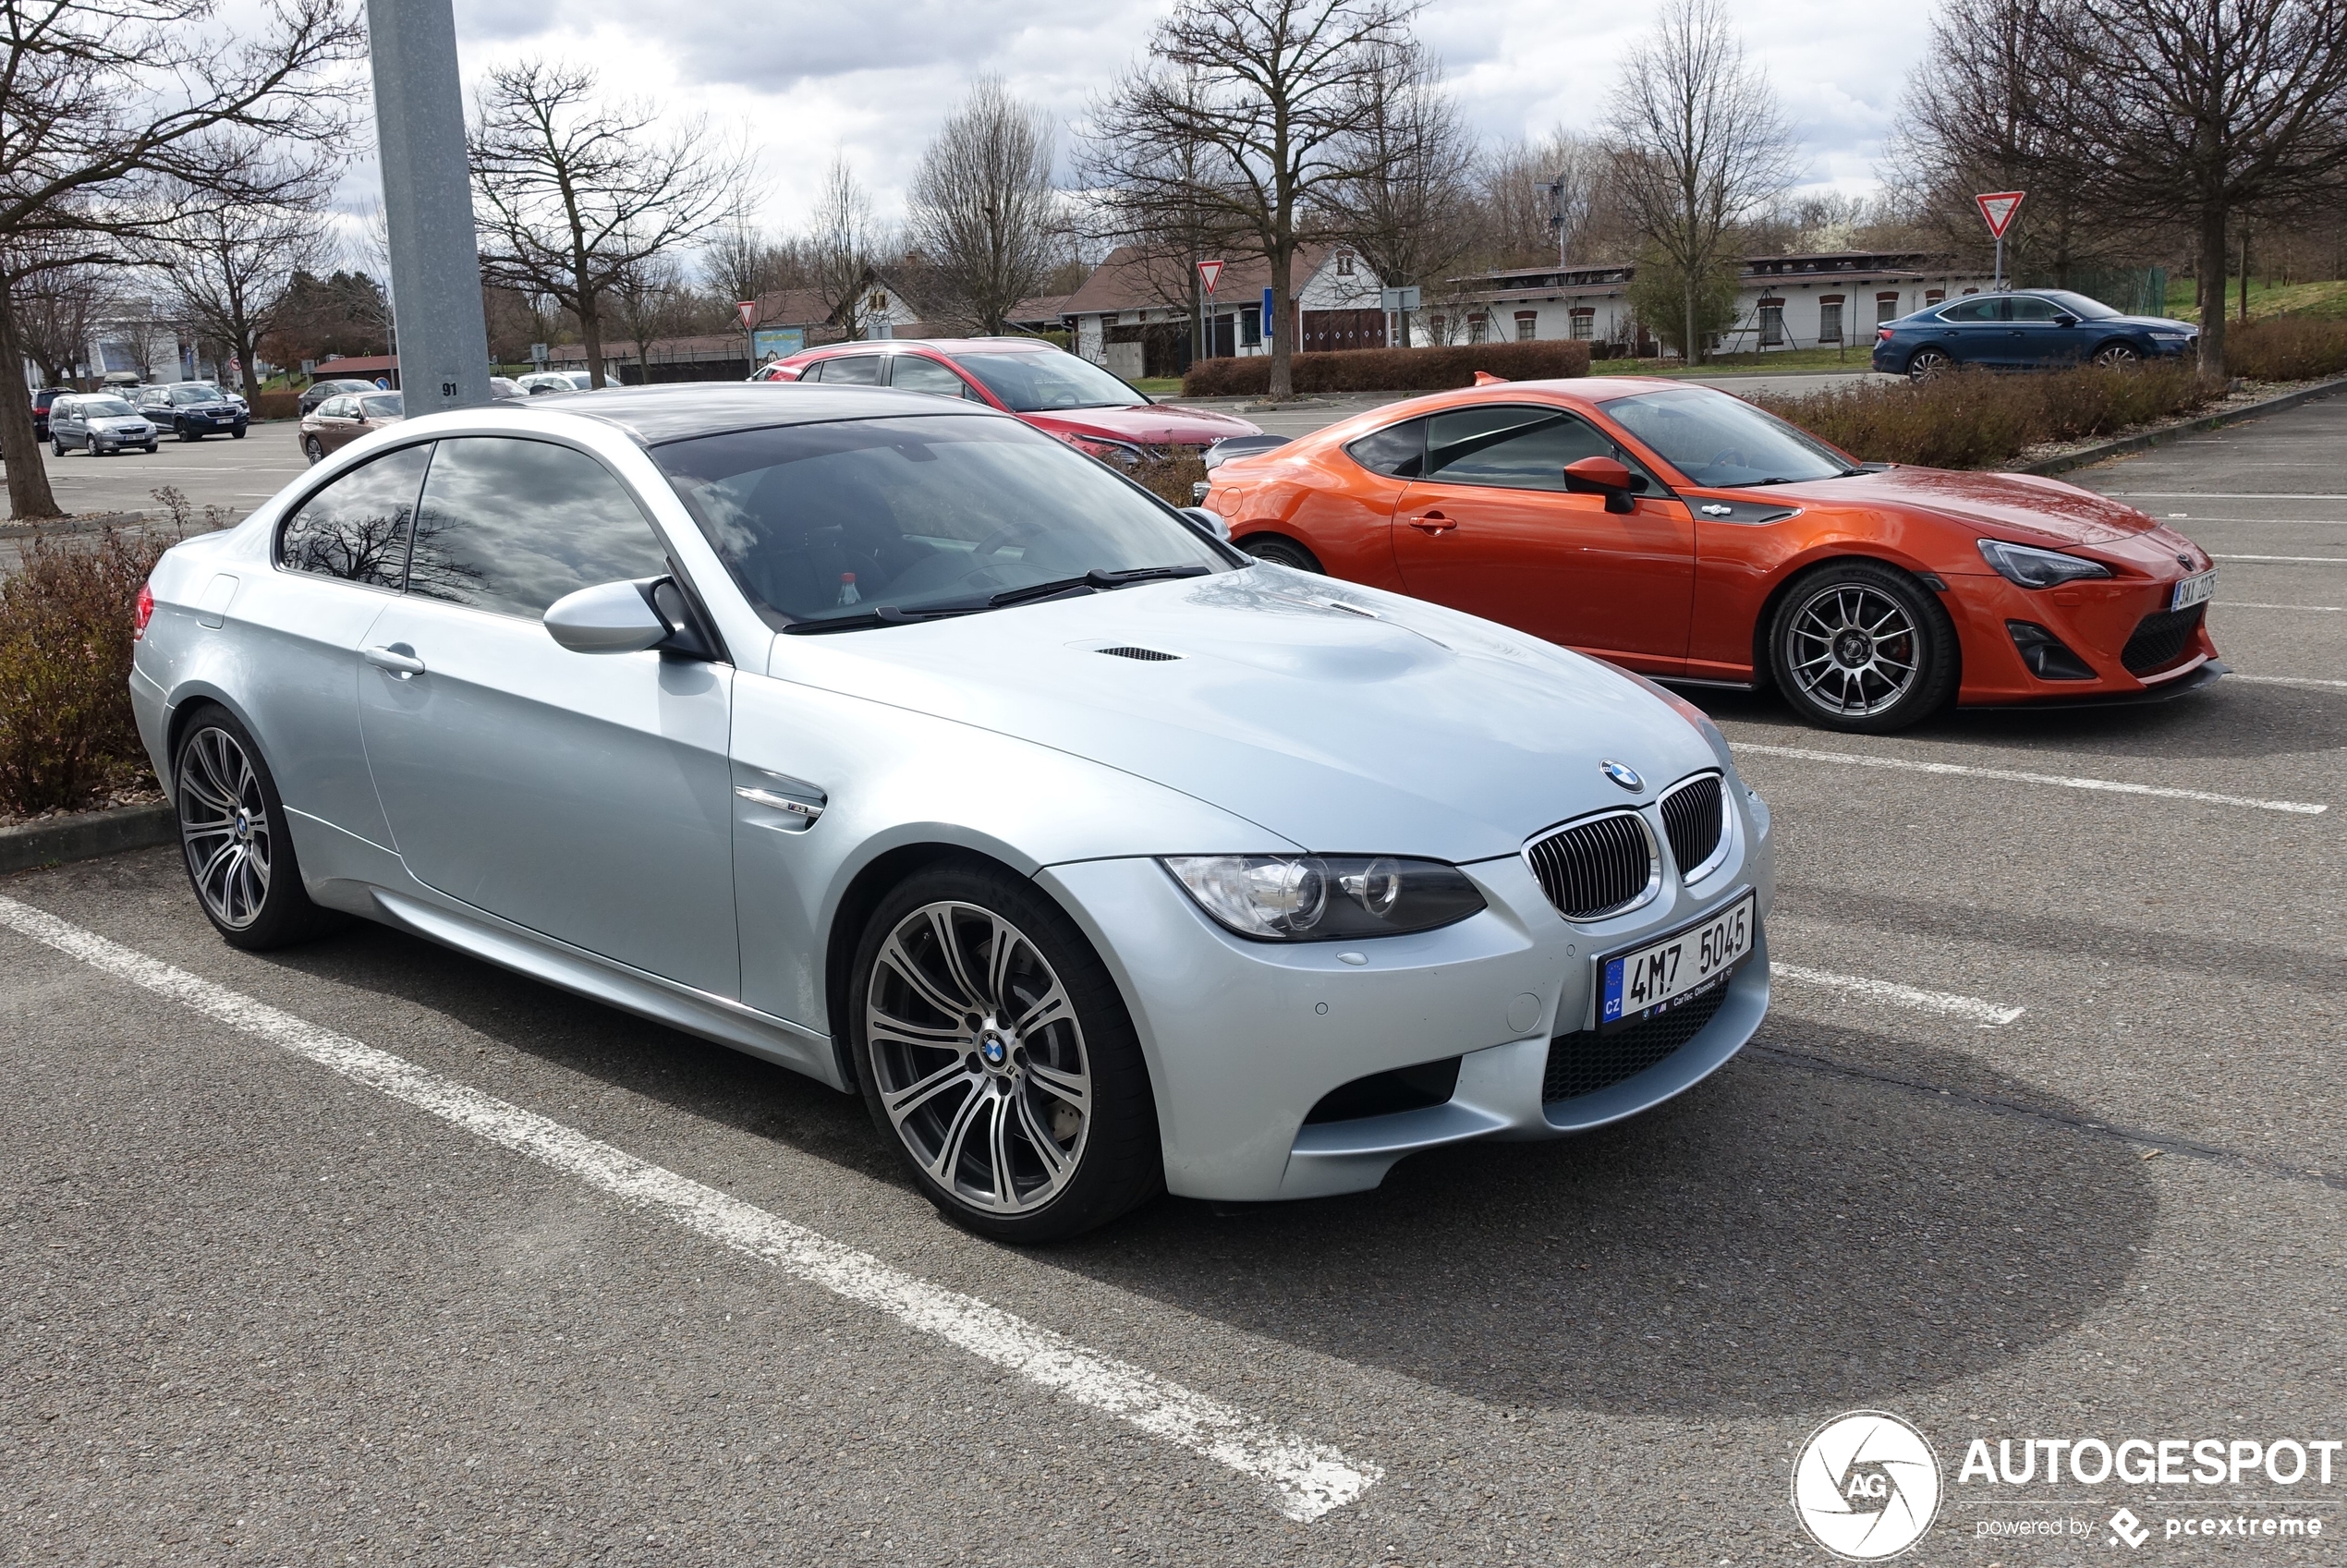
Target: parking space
{"x": 364, "y": 1251}
{"x": 235, "y": 476}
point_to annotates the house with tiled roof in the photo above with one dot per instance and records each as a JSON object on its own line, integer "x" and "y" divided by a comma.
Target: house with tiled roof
{"x": 1137, "y": 315}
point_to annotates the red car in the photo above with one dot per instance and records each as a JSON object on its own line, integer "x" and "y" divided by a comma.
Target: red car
{"x": 1053, "y": 390}
{"x": 1687, "y": 535}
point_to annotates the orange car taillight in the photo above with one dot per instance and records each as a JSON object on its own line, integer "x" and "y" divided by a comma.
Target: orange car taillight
{"x": 142, "y": 611}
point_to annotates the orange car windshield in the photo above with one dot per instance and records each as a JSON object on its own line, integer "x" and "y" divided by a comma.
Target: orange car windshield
{"x": 1717, "y": 440}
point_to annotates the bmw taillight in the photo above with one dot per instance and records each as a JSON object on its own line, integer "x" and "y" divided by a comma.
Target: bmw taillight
{"x": 142, "y": 611}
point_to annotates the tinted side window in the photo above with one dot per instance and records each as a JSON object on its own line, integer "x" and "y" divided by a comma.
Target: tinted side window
{"x": 2026, "y": 309}
{"x": 915, "y": 373}
{"x": 1398, "y": 450}
{"x": 357, "y": 528}
{"x": 512, "y": 525}
{"x": 811, "y": 371}
{"x": 1989, "y": 309}
{"x": 855, "y": 369}
{"x": 1509, "y": 446}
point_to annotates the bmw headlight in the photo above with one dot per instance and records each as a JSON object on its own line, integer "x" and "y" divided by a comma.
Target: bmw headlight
{"x": 2037, "y": 568}
{"x": 1325, "y": 897}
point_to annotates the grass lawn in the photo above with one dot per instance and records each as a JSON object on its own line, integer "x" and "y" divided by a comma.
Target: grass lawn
{"x": 1159, "y": 386}
{"x": 1856, "y": 356}
{"x": 2326, "y": 300}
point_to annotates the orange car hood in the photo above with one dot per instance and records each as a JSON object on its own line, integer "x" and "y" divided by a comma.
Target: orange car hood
{"x": 2020, "y": 504}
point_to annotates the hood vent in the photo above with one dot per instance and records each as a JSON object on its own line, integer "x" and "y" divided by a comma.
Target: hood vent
{"x": 1146, "y": 655}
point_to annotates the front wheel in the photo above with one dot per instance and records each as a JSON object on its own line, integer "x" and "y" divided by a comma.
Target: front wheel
{"x": 187, "y": 434}
{"x": 232, "y": 834}
{"x": 315, "y": 449}
{"x": 1930, "y": 364}
{"x": 57, "y": 447}
{"x": 1862, "y": 647}
{"x": 2118, "y": 355}
{"x": 151, "y": 449}
{"x": 1283, "y": 553}
{"x": 995, "y": 1052}
{"x": 237, "y": 433}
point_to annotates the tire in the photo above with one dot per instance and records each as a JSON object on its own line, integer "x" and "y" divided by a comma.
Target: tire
{"x": 312, "y": 448}
{"x": 2119, "y": 356}
{"x": 1929, "y": 364}
{"x": 57, "y": 447}
{"x": 151, "y": 449}
{"x": 1281, "y": 552}
{"x": 1860, "y": 646}
{"x": 233, "y": 839}
{"x": 237, "y": 433}
{"x": 930, "y": 1039}
{"x": 187, "y": 434}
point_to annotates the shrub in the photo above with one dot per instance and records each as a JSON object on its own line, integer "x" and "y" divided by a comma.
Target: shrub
{"x": 1391, "y": 370}
{"x": 1976, "y": 418}
{"x": 66, "y": 733}
{"x": 1170, "y": 478}
{"x": 277, "y": 406}
{"x": 2287, "y": 348}
{"x": 1657, "y": 295}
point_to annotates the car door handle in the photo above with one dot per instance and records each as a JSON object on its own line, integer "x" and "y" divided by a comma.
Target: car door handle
{"x": 1432, "y": 523}
{"x": 398, "y": 660}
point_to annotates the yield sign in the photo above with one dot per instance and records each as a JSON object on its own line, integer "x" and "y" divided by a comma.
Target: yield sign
{"x": 748, "y": 309}
{"x": 1208, "y": 272}
{"x": 1999, "y": 207}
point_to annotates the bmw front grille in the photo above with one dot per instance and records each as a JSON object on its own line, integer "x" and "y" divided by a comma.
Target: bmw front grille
{"x": 1694, "y": 819}
{"x": 1598, "y": 865}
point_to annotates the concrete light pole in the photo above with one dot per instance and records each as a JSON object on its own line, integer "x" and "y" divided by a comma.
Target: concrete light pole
{"x": 428, "y": 205}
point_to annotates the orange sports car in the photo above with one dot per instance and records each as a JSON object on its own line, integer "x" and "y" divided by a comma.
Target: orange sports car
{"x": 1687, "y": 535}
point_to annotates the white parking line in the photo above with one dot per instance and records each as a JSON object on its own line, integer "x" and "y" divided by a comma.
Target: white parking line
{"x": 2247, "y": 604}
{"x": 1851, "y": 758}
{"x": 1306, "y": 1479}
{"x": 2220, "y": 495}
{"x": 2292, "y": 680}
{"x": 2294, "y": 560}
{"x": 1988, "y": 1014}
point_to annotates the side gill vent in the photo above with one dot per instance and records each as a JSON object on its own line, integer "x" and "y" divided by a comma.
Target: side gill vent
{"x": 1146, "y": 655}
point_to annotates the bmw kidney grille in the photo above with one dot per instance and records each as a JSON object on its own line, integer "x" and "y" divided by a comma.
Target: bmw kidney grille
{"x": 1598, "y": 866}
{"x": 1694, "y": 820}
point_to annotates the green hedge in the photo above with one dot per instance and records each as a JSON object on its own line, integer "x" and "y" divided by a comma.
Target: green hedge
{"x": 1978, "y": 420}
{"x": 1390, "y": 370}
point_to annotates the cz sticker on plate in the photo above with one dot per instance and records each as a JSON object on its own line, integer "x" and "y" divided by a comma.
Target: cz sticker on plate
{"x": 1632, "y": 985}
{"x": 2192, "y": 591}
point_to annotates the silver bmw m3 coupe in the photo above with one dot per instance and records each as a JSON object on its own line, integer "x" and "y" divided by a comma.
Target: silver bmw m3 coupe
{"x": 900, "y": 744}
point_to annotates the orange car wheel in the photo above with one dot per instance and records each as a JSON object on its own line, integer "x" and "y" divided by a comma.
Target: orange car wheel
{"x": 1862, "y": 647}
{"x": 1281, "y": 552}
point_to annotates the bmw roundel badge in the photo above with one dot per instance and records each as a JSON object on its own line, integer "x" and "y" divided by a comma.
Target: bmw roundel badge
{"x": 1626, "y": 777}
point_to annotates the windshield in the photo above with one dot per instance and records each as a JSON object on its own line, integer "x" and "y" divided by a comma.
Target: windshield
{"x": 381, "y": 406}
{"x": 2078, "y": 305}
{"x": 1718, "y": 440}
{"x": 1034, "y": 380}
{"x": 184, "y": 394}
{"x": 104, "y": 409}
{"x": 835, "y": 521}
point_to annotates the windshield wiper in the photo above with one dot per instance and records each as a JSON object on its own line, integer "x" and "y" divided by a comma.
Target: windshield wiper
{"x": 1098, "y": 580}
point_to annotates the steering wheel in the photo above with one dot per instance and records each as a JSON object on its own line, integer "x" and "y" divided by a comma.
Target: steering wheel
{"x": 1732, "y": 457}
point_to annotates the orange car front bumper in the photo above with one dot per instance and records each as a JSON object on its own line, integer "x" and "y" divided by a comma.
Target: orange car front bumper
{"x": 2120, "y": 631}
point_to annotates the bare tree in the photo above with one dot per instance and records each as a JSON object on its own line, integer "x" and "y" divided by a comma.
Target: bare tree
{"x": 2198, "y": 110}
{"x": 58, "y": 310}
{"x": 1701, "y": 143}
{"x": 742, "y": 260}
{"x": 113, "y": 116}
{"x": 1527, "y": 188}
{"x": 574, "y": 191}
{"x": 651, "y": 302}
{"x": 1250, "y": 110}
{"x": 982, "y": 206}
{"x": 231, "y": 272}
{"x": 841, "y": 241}
{"x": 1410, "y": 157}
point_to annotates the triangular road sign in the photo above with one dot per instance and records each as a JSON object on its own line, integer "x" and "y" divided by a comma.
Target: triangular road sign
{"x": 749, "y": 308}
{"x": 1998, "y": 207}
{"x": 1209, "y": 271}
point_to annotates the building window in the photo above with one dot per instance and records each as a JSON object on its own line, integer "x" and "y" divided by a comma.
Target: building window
{"x": 1528, "y": 325}
{"x": 1584, "y": 322}
{"x": 1437, "y": 330}
{"x": 1933, "y": 296}
{"x": 1479, "y": 328}
{"x": 1829, "y": 319}
{"x": 1251, "y": 327}
{"x": 1771, "y": 324}
{"x": 1344, "y": 264}
{"x": 1886, "y": 307}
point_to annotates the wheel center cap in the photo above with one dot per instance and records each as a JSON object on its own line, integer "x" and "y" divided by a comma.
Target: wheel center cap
{"x": 243, "y": 824}
{"x": 994, "y": 1045}
{"x": 1853, "y": 649}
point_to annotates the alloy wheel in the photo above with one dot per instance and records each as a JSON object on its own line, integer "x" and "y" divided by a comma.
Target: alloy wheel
{"x": 2117, "y": 355}
{"x": 1852, "y": 650}
{"x": 979, "y": 1057}
{"x": 223, "y": 827}
{"x": 1929, "y": 364}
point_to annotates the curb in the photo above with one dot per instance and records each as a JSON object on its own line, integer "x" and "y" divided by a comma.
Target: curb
{"x": 2149, "y": 438}
{"x": 86, "y": 836}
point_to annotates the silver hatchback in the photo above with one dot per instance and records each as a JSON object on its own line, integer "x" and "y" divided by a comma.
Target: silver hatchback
{"x": 894, "y": 741}
{"x": 98, "y": 423}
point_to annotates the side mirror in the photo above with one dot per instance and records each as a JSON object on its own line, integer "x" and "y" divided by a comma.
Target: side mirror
{"x": 1212, "y": 523}
{"x": 2065, "y": 321}
{"x": 1601, "y": 476}
{"x": 611, "y": 617}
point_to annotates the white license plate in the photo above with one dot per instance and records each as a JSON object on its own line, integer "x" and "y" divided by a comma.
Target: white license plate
{"x": 2194, "y": 590}
{"x": 1635, "y": 984}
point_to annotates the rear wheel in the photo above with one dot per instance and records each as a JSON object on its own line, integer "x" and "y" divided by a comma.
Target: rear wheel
{"x": 232, "y": 834}
{"x": 1928, "y": 364}
{"x": 2118, "y": 355}
{"x": 1862, "y": 647}
{"x": 315, "y": 449}
{"x": 1280, "y": 552}
{"x": 996, "y": 1054}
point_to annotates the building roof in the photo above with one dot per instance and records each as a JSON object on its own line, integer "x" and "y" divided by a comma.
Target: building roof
{"x": 1044, "y": 308}
{"x": 1134, "y": 279}
{"x": 355, "y": 364}
{"x": 1533, "y": 282}
{"x": 793, "y": 308}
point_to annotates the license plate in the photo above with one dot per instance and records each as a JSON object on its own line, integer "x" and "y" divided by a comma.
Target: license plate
{"x": 1644, "y": 980}
{"x": 2194, "y": 590}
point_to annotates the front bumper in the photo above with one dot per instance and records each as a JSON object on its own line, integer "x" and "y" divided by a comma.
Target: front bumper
{"x": 1245, "y": 1038}
{"x": 2094, "y": 620}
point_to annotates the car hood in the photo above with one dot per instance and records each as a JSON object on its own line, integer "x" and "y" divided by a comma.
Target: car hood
{"x": 1147, "y": 424}
{"x": 2161, "y": 324}
{"x": 1409, "y": 730}
{"x": 2025, "y": 506}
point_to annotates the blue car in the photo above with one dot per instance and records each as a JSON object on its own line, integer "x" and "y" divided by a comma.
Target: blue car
{"x": 2032, "y": 330}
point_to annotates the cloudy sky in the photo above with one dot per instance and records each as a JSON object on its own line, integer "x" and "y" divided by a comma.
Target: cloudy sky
{"x": 799, "y": 79}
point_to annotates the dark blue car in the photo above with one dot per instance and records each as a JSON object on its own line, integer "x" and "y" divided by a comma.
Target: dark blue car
{"x": 2032, "y": 330}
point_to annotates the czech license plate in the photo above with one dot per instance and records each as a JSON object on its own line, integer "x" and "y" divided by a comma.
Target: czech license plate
{"x": 2194, "y": 590}
{"x": 1648, "y": 979}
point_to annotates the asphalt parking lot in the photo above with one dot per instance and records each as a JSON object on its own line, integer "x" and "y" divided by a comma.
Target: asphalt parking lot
{"x": 367, "y": 1252}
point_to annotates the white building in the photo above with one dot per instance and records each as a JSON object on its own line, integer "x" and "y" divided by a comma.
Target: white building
{"x": 1134, "y": 315}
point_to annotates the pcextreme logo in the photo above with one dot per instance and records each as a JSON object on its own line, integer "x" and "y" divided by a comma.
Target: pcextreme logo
{"x": 1866, "y": 1485}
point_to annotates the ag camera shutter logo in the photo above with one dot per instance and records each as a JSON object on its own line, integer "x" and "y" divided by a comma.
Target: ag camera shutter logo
{"x": 1866, "y": 1485}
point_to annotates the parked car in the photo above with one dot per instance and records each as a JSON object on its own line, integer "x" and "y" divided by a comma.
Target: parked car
{"x": 319, "y": 391}
{"x": 340, "y": 420}
{"x": 2030, "y": 330}
{"x": 890, "y": 740}
{"x": 1054, "y": 391}
{"x": 1683, "y": 534}
{"x": 192, "y": 409}
{"x": 506, "y": 386}
{"x": 98, "y": 423}
{"x": 541, "y": 382}
{"x": 40, "y": 401}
